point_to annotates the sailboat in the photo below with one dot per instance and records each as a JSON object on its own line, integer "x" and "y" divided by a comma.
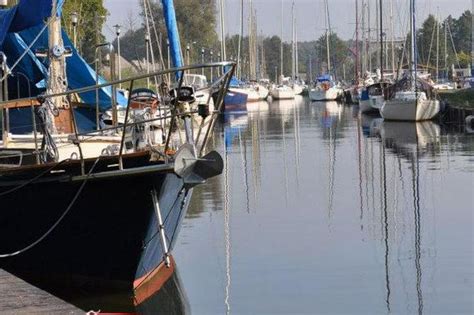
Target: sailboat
{"x": 326, "y": 89}
{"x": 373, "y": 95}
{"x": 282, "y": 91}
{"x": 89, "y": 204}
{"x": 412, "y": 98}
{"x": 296, "y": 84}
{"x": 255, "y": 91}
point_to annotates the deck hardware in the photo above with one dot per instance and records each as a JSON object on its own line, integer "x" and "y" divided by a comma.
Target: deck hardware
{"x": 161, "y": 227}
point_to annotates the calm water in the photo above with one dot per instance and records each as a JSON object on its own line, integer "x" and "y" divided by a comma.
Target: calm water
{"x": 322, "y": 212}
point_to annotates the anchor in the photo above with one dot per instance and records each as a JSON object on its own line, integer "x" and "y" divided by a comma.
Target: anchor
{"x": 193, "y": 170}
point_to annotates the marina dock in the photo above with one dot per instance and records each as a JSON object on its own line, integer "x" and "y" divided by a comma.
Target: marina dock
{"x": 19, "y": 297}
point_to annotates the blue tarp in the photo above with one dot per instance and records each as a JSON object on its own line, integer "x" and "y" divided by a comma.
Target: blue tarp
{"x": 323, "y": 78}
{"x": 18, "y": 28}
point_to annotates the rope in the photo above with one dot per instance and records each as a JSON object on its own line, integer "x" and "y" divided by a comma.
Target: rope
{"x": 51, "y": 229}
{"x": 33, "y": 179}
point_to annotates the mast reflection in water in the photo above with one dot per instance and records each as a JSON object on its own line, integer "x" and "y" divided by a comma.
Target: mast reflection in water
{"x": 329, "y": 211}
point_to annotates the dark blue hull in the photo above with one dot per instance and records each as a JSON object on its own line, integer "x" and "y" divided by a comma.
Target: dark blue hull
{"x": 110, "y": 236}
{"x": 235, "y": 101}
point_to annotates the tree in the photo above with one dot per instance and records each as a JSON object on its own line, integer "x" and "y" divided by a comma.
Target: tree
{"x": 197, "y": 30}
{"x": 461, "y": 30}
{"x": 339, "y": 53}
{"x": 91, "y": 18}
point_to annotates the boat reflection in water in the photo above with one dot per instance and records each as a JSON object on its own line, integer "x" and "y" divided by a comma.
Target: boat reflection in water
{"x": 162, "y": 293}
{"x": 408, "y": 138}
{"x": 406, "y": 222}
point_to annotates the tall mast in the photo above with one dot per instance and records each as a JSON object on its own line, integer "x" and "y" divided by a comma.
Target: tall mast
{"x": 293, "y": 70}
{"x": 281, "y": 40}
{"x": 357, "y": 42}
{"x": 296, "y": 51}
{"x": 413, "y": 61}
{"x": 368, "y": 47}
{"x": 364, "y": 39}
{"x": 57, "y": 80}
{"x": 223, "y": 51}
{"x": 381, "y": 39}
{"x": 252, "y": 44}
{"x": 437, "y": 46}
{"x": 392, "y": 32}
{"x": 327, "y": 38}
{"x": 446, "y": 48}
{"x": 239, "y": 69}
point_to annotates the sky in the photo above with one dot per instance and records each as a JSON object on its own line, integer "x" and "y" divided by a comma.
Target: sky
{"x": 309, "y": 15}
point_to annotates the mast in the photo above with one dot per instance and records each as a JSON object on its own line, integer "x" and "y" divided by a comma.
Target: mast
{"x": 357, "y": 42}
{"x": 173, "y": 34}
{"x": 293, "y": 70}
{"x": 381, "y": 39}
{"x": 296, "y": 51}
{"x": 239, "y": 67}
{"x": 446, "y": 48}
{"x": 281, "y": 41}
{"x": 327, "y": 38}
{"x": 364, "y": 39}
{"x": 368, "y": 50}
{"x": 392, "y": 31}
{"x": 223, "y": 51}
{"x": 252, "y": 44}
{"x": 57, "y": 80}
{"x": 413, "y": 61}
{"x": 437, "y": 47}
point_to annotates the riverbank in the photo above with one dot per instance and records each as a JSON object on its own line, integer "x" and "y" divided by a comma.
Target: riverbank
{"x": 19, "y": 297}
{"x": 462, "y": 98}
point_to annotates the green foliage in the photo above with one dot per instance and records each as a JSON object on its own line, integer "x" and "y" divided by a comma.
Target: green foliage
{"x": 196, "y": 25}
{"x": 91, "y": 17}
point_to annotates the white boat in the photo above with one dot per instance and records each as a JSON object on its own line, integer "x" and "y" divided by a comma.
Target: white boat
{"x": 282, "y": 92}
{"x": 410, "y": 106}
{"x": 413, "y": 103}
{"x": 326, "y": 90}
{"x": 256, "y": 93}
{"x": 372, "y": 98}
{"x": 297, "y": 89}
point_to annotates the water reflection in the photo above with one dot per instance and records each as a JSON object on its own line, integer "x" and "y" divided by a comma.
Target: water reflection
{"x": 320, "y": 205}
{"x": 161, "y": 293}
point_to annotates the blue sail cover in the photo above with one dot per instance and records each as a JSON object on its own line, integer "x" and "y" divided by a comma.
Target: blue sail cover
{"x": 19, "y": 26}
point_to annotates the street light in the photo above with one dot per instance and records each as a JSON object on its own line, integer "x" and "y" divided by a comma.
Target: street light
{"x": 147, "y": 42}
{"x": 202, "y": 60}
{"x": 188, "y": 48}
{"x": 97, "y": 59}
{"x": 212, "y": 68}
{"x": 74, "y": 20}
{"x": 118, "y": 30}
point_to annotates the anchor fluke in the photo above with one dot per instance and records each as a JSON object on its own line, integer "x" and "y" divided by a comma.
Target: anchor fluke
{"x": 194, "y": 170}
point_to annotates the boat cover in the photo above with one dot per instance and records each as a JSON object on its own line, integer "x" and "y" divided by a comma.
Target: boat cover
{"x": 324, "y": 78}
{"x": 19, "y": 26}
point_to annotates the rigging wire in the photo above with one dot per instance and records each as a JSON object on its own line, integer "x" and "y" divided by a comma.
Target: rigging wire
{"x": 53, "y": 227}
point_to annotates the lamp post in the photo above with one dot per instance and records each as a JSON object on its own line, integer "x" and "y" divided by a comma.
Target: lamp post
{"x": 168, "y": 57}
{"x": 147, "y": 42}
{"x": 202, "y": 60}
{"x": 212, "y": 68}
{"x": 97, "y": 61}
{"x": 219, "y": 59}
{"x": 74, "y": 20}
{"x": 118, "y": 30}
{"x": 188, "y": 48}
